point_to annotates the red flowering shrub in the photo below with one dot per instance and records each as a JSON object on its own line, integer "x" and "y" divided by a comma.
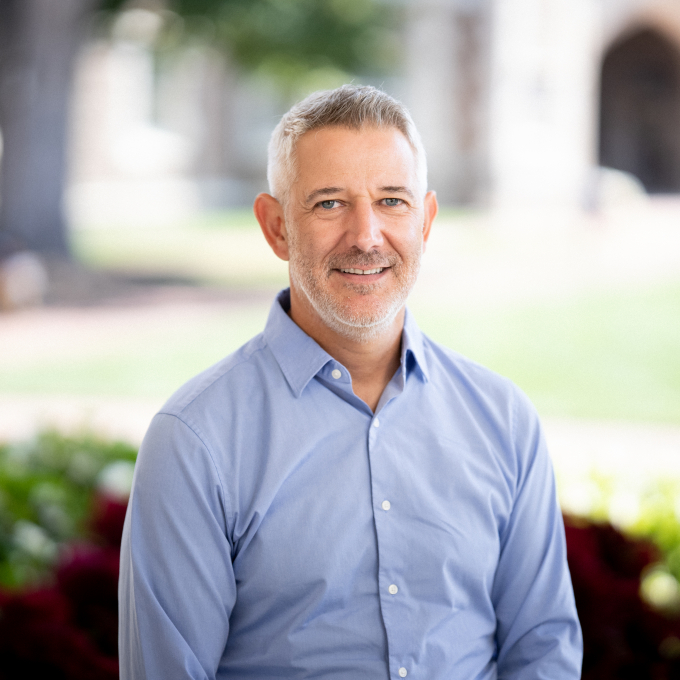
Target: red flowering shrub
{"x": 108, "y": 517}
{"x": 89, "y": 579}
{"x": 623, "y": 637}
{"x": 38, "y": 640}
{"x": 69, "y": 631}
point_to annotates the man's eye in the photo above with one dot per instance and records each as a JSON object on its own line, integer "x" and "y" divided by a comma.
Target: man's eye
{"x": 392, "y": 202}
{"x": 327, "y": 205}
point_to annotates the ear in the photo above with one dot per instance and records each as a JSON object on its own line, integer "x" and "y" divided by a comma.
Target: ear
{"x": 430, "y": 208}
{"x": 270, "y": 215}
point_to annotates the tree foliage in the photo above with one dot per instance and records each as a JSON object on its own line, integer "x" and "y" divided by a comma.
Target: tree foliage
{"x": 288, "y": 38}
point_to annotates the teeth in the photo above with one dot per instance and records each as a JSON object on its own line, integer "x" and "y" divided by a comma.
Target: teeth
{"x": 362, "y": 271}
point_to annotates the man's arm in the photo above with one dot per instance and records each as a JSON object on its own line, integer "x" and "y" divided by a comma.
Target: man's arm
{"x": 538, "y": 633}
{"x": 177, "y": 586}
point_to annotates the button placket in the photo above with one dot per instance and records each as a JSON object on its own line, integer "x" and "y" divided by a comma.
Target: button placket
{"x": 391, "y": 596}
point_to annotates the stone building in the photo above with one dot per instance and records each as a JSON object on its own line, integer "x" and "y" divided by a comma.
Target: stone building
{"x": 519, "y": 101}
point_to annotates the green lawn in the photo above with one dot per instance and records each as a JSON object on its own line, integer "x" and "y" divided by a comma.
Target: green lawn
{"x": 613, "y": 355}
{"x": 234, "y": 255}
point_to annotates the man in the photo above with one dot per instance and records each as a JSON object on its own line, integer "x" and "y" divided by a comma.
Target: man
{"x": 343, "y": 498}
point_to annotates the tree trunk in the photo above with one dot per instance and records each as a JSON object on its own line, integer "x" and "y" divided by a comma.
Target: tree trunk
{"x": 39, "y": 40}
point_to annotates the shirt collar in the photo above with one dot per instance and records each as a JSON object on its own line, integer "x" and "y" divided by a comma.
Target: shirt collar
{"x": 412, "y": 346}
{"x": 301, "y": 358}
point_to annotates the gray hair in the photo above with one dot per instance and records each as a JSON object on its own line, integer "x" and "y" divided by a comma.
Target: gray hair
{"x": 349, "y": 106}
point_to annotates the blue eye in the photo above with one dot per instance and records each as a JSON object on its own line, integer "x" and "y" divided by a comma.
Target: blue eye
{"x": 392, "y": 201}
{"x": 327, "y": 205}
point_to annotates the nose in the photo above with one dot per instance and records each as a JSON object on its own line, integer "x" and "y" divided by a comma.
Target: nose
{"x": 365, "y": 228}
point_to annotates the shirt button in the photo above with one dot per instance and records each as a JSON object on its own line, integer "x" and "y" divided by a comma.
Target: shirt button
{"x": 393, "y": 590}
{"x": 376, "y": 423}
{"x": 386, "y": 505}
{"x": 336, "y": 374}
{"x": 403, "y": 672}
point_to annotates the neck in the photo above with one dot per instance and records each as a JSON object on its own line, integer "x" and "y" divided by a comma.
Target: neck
{"x": 371, "y": 360}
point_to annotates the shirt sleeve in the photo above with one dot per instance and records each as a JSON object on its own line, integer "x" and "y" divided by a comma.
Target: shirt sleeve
{"x": 538, "y": 632}
{"x": 177, "y": 587}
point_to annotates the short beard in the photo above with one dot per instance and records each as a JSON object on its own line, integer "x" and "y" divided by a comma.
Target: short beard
{"x": 353, "y": 326}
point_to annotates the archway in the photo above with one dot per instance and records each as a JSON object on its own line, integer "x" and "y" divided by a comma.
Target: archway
{"x": 640, "y": 110}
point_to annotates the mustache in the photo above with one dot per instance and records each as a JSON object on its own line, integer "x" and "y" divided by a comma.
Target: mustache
{"x": 356, "y": 258}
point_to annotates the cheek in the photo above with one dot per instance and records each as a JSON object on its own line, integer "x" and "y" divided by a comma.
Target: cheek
{"x": 321, "y": 244}
{"x": 411, "y": 245}
{"x": 305, "y": 250}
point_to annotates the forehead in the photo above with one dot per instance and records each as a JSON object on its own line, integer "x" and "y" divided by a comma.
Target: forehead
{"x": 367, "y": 154}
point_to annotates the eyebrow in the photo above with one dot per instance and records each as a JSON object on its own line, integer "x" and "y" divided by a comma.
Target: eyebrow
{"x": 329, "y": 191}
{"x": 326, "y": 191}
{"x": 398, "y": 190}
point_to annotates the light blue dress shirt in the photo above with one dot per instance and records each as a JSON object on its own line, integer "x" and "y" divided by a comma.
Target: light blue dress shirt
{"x": 278, "y": 528}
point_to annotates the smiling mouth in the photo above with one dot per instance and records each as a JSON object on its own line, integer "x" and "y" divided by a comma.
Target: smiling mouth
{"x": 363, "y": 272}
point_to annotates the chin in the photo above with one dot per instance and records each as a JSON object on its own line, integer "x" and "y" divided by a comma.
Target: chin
{"x": 359, "y": 324}
{"x": 359, "y": 333}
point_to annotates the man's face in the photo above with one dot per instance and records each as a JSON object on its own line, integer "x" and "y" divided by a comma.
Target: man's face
{"x": 356, "y": 223}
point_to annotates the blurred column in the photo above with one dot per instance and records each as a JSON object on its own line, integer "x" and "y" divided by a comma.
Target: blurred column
{"x": 447, "y": 84}
{"x": 128, "y": 168}
{"x": 543, "y": 98}
{"x": 197, "y": 98}
{"x": 38, "y": 44}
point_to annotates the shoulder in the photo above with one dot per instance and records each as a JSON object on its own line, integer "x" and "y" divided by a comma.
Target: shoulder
{"x": 491, "y": 400}
{"x": 447, "y": 366}
{"x": 227, "y": 380}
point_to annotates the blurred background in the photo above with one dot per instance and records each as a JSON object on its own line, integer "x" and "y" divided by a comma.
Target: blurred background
{"x": 134, "y": 139}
